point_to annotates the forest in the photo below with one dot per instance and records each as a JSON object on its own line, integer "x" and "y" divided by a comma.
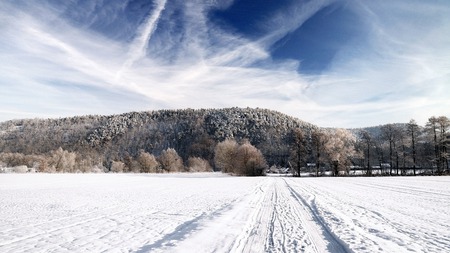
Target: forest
{"x": 240, "y": 141}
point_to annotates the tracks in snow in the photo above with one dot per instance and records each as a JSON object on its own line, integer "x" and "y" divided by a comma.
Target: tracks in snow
{"x": 271, "y": 218}
{"x": 325, "y": 240}
{"x": 123, "y": 213}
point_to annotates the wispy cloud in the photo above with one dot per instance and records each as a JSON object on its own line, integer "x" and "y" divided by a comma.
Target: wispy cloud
{"x": 179, "y": 58}
{"x": 138, "y": 47}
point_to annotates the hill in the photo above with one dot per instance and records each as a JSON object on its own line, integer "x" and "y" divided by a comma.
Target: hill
{"x": 190, "y": 132}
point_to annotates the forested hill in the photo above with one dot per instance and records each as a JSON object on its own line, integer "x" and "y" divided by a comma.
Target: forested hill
{"x": 190, "y": 132}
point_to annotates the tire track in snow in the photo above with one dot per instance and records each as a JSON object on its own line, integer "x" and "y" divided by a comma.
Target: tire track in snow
{"x": 415, "y": 191}
{"x": 61, "y": 219}
{"x": 287, "y": 232}
{"x": 59, "y": 228}
{"x": 277, "y": 223}
{"x": 271, "y": 243}
{"x": 234, "y": 227}
{"x": 271, "y": 218}
{"x": 77, "y": 220}
{"x": 368, "y": 227}
{"x": 254, "y": 233}
{"x": 317, "y": 226}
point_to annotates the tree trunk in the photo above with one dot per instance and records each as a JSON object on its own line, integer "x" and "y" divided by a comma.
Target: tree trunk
{"x": 413, "y": 151}
{"x": 317, "y": 163}
{"x": 369, "y": 171}
{"x": 299, "y": 156}
{"x": 390, "y": 157}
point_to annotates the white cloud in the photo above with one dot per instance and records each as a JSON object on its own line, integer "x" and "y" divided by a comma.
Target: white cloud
{"x": 56, "y": 69}
{"x": 138, "y": 47}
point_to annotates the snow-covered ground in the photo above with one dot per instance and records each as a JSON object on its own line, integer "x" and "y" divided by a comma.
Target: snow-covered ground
{"x": 216, "y": 213}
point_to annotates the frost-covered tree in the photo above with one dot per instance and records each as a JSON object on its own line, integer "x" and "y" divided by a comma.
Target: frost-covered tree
{"x": 171, "y": 161}
{"x": 225, "y": 155}
{"x": 299, "y": 150}
{"x": 438, "y": 129}
{"x": 319, "y": 139}
{"x": 389, "y": 133}
{"x": 244, "y": 159}
{"x": 444, "y": 141}
{"x": 249, "y": 161}
{"x": 413, "y": 131}
{"x": 117, "y": 166}
{"x": 401, "y": 148}
{"x": 367, "y": 141}
{"x": 340, "y": 148}
{"x": 148, "y": 163}
{"x": 432, "y": 128}
{"x": 197, "y": 164}
{"x": 62, "y": 160}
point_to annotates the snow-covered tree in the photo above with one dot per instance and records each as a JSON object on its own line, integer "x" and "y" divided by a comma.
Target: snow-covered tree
{"x": 299, "y": 150}
{"x": 117, "y": 166}
{"x": 367, "y": 141}
{"x": 62, "y": 160}
{"x": 197, "y": 164}
{"x": 340, "y": 147}
{"x": 438, "y": 129}
{"x": 148, "y": 163}
{"x": 171, "y": 161}
{"x": 249, "y": 161}
{"x": 225, "y": 155}
{"x": 319, "y": 139}
{"x": 413, "y": 131}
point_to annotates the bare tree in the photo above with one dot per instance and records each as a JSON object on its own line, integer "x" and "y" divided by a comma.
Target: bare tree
{"x": 203, "y": 147}
{"x": 245, "y": 159}
{"x": 319, "y": 139}
{"x": 171, "y": 161}
{"x": 131, "y": 165}
{"x": 299, "y": 149}
{"x": 444, "y": 125}
{"x": 62, "y": 160}
{"x": 148, "y": 163}
{"x": 413, "y": 130}
{"x": 340, "y": 148}
{"x": 197, "y": 164}
{"x": 250, "y": 161}
{"x": 225, "y": 155}
{"x": 367, "y": 140}
{"x": 401, "y": 147}
{"x": 117, "y": 166}
{"x": 437, "y": 127}
{"x": 388, "y": 133}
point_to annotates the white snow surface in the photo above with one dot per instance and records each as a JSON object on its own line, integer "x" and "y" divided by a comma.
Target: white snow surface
{"x": 212, "y": 212}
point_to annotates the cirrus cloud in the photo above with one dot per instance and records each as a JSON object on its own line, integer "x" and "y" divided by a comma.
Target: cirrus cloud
{"x": 64, "y": 59}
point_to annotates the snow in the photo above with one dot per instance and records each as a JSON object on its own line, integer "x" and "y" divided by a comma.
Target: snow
{"x": 212, "y": 212}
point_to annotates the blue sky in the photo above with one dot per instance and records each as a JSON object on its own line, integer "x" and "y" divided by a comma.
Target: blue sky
{"x": 341, "y": 63}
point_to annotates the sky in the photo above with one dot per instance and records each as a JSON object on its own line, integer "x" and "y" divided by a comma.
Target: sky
{"x": 333, "y": 63}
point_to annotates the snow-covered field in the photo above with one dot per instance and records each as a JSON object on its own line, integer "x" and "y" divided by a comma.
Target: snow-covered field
{"x": 217, "y": 213}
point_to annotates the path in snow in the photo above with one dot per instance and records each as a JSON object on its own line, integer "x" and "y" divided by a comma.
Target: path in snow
{"x": 400, "y": 214}
{"x": 216, "y": 213}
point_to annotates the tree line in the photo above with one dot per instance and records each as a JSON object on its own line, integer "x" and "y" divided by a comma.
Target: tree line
{"x": 229, "y": 157}
{"x": 391, "y": 149}
{"x": 242, "y": 141}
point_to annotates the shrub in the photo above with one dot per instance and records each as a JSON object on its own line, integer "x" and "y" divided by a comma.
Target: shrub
{"x": 197, "y": 164}
{"x": 171, "y": 161}
{"x": 148, "y": 163}
{"x": 20, "y": 169}
{"x": 62, "y": 160}
{"x": 224, "y": 155}
{"x": 117, "y": 166}
{"x": 242, "y": 159}
{"x": 250, "y": 161}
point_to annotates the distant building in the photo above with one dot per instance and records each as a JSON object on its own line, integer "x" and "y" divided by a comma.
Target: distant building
{"x": 385, "y": 166}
